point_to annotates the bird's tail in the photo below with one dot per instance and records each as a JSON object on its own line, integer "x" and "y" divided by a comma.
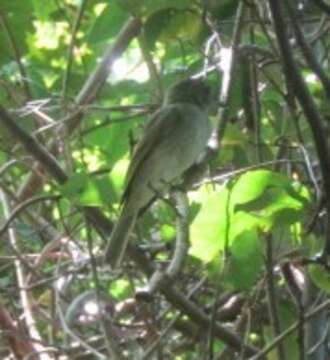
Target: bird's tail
{"x": 117, "y": 244}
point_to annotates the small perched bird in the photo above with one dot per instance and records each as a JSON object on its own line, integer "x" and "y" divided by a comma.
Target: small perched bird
{"x": 174, "y": 138}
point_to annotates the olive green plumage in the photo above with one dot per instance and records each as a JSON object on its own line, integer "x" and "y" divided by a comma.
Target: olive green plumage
{"x": 174, "y": 138}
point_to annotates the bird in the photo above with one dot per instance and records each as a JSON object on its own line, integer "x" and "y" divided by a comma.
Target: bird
{"x": 174, "y": 138}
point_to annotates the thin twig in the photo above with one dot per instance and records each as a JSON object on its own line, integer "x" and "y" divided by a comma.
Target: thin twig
{"x": 21, "y": 207}
{"x": 272, "y": 298}
{"x": 24, "y": 296}
{"x": 71, "y": 47}
{"x": 288, "y": 331}
{"x": 104, "y": 226}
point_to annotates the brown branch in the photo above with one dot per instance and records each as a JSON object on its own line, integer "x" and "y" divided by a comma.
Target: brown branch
{"x": 272, "y": 298}
{"x": 111, "y": 54}
{"x": 32, "y": 146}
{"x": 307, "y": 51}
{"x": 103, "y": 225}
{"x": 30, "y": 322}
{"x": 307, "y": 104}
{"x": 17, "y": 340}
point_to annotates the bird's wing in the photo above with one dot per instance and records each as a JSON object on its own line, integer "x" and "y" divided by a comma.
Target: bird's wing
{"x": 160, "y": 127}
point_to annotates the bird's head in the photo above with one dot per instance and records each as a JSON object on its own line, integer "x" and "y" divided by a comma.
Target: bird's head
{"x": 193, "y": 91}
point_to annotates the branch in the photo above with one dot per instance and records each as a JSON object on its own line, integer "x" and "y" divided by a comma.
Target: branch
{"x": 104, "y": 226}
{"x": 180, "y": 249}
{"x": 307, "y": 104}
{"x": 33, "y": 147}
{"x": 30, "y": 322}
{"x": 22, "y": 207}
{"x": 14, "y": 335}
{"x": 272, "y": 298}
{"x": 89, "y": 91}
{"x": 111, "y": 54}
{"x": 307, "y": 51}
{"x": 290, "y": 330}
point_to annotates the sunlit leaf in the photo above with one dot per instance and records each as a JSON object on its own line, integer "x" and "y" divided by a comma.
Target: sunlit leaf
{"x": 209, "y": 228}
{"x": 244, "y": 262}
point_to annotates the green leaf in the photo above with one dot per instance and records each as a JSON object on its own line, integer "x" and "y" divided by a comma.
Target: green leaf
{"x": 208, "y": 230}
{"x": 257, "y": 200}
{"x": 120, "y": 288}
{"x": 243, "y": 221}
{"x": 43, "y": 9}
{"x": 19, "y": 25}
{"x": 112, "y": 140}
{"x": 320, "y": 277}
{"x": 169, "y": 24}
{"x": 16, "y": 6}
{"x": 271, "y": 201}
{"x": 245, "y": 261}
{"x": 85, "y": 191}
{"x": 252, "y": 184}
{"x": 107, "y": 24}
{"x": 75, "y": 185}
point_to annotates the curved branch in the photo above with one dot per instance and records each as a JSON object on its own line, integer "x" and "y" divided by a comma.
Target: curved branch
{"x": 23, "y": 206}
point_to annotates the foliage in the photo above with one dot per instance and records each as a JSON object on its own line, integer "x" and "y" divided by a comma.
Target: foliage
{"x": 262, "y": 203}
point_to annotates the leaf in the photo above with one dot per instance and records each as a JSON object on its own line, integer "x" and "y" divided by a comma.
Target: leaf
{"x": 208, "y": 230}
{"x": 320, "y": 277}
{"x": 107, "y": 24}
{"x": 16, "y": 6}
{"x": 85, "y": 191}
{"x": 271, "y": 201}
{"x": 253, "y": 184}
{"x": 43, "y": 9}
{"x": 119, "y": 289}
{"x": 264, "y": 199}
{"x": 112, "y": 140}
{"x": 245, "y": 261}
{"x": 19, "y": 24}
{"x": 257, "y": 200}
{"x": 243, "y": 221}
{"x": 170, "y": 24}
